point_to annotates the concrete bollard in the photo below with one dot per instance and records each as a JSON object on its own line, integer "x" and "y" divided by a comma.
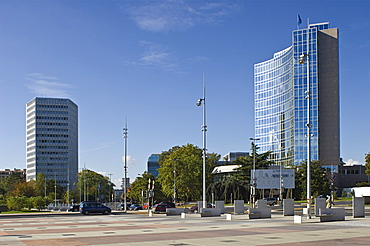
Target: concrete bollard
{"x": 150, "y": 213}
{"x": 298, "y": 219}
{"x": 183, "y": 215}
{"x": 228, "y": 216}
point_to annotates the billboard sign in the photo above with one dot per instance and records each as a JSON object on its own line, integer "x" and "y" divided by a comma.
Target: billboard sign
{"x": 270, "y": 178}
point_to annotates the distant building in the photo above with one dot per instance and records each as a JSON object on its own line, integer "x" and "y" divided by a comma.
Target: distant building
{"x": 118, "y": 195}
{"x": 127, "y": 183}
{"x": 52, "y": 139}
{"x": 153, "y": 164}
{"x": 231, "y": 156}
{"x": 349, "y": 175}
{"x": 7, "y": 172}
{"x": 280, "y": 92}
{"x": 222, "y": 173}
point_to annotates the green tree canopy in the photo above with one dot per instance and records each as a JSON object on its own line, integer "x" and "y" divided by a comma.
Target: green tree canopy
{"x": 319, "y": 181}
{"x": 139, "y": 188}
{"x": 246, "y": 164}
{"x": 7, "y": 184}
{"x": 367, "y": 164}
{"x": 41, "y": 185}
{"x": 185, "y": 165}
{"x": 26, "y": 189}
{"x": 94, "y": 185}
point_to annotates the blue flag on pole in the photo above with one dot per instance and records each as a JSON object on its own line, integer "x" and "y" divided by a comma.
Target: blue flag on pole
{"x": 299, "y": 20}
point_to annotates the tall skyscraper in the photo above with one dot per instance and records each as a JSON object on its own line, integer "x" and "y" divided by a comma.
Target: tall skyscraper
{"x": 281, "y": 91}
{"x": 52, "y": 139}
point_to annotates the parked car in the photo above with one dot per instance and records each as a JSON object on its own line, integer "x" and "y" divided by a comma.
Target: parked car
{"x": 74, "y": 208}
{"x": 145, "y": 206}
{"x": 135, "y": 207}
{"x": 94, "y": 207}
{"x": 121, "y": 206}
{"x": 161, "y": 208}
{"x": 194, "y": 209}
{"x": 170, "y": 204}
{"x": 271, "y": 201}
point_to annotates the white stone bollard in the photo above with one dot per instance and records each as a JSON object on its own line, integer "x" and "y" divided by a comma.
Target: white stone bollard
{"x": 298, "y": 219}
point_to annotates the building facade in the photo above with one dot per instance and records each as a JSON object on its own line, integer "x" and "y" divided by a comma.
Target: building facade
{"x": 231, "y": 156}
{"x": 281, "y": 91}
{"x": 52, "y": 139}
{"x": 153, "y": 164}
{"x": 7, "y": 172}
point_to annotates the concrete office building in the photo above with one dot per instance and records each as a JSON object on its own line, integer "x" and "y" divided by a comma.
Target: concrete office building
{"x": 52, "y": 139}
{"x": 281, "y": 99}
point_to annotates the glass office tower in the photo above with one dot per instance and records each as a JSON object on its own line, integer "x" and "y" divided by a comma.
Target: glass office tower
{"x": 281, "y": 91}
{"x": 52, "y": 139}
{"x": 153, "y": 164}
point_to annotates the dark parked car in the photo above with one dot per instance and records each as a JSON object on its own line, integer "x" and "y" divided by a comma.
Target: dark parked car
{"x": 161, "y": 208}
{"x": 135, "y": 207}
{"x": 74, "y": 208}
{"x": 170, "y": 204}
{"x": 194, "y": 209}
{"x": 94, "y": 207}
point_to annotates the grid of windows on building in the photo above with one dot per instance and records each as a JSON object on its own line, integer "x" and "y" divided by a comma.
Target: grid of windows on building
{"x": 52, "y": 139}
{"x": 281, "y": 88}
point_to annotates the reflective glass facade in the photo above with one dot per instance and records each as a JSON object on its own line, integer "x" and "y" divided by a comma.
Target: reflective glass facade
{"x": 274, "y": 106}
{"x": 281, "y": 98}
{"x": 153, "y": 164}
{"x": 52, "y": 139}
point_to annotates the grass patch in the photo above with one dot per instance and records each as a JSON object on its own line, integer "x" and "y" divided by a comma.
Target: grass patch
{"x": 23, "y": 211}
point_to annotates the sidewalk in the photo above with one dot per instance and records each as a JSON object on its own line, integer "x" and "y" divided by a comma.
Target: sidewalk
{"x": 140, "y": 229}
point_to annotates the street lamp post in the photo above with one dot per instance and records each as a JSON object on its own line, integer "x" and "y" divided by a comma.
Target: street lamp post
{"x": 84, "y": 172}
{"x": 204, "y": 129}
{"x": 68, "y": 186}
{"x": 125, "y": 167}
{"x": 254, "y": 184}
{"x": 174, "y": 181}
{"x": 55, "y": 190}
{"x": 110, "y": 180}
{"x": 305, "y": 58}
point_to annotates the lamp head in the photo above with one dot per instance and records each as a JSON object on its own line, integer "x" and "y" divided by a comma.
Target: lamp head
{"x": 199, "y": 103}
{"x": 301, "y": 61}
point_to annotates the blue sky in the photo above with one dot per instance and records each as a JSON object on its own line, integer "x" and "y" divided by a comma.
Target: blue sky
{"x": 146, "y": 60}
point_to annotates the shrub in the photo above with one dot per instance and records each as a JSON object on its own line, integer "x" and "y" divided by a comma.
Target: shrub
{"x": 16, "y": 203}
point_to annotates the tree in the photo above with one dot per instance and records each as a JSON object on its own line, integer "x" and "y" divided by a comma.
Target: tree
{"x": 40, "y": 202}
{"x": 96, "y": 186}
{"x": 40, "y": 184}
{"x": 184, "y": 165}
{"x": 319, "y": 181}
{"x": 7, "y": 184}
{"x": 246, "y": 165}
{"x": 16, "y": 203}
{"x": 26, "y": 189}
{"x": 140, "y": 187}
{"x": 367, "y": 164}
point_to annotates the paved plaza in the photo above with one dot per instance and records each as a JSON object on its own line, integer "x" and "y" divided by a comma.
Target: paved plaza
{"x": 140, "y": 229}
